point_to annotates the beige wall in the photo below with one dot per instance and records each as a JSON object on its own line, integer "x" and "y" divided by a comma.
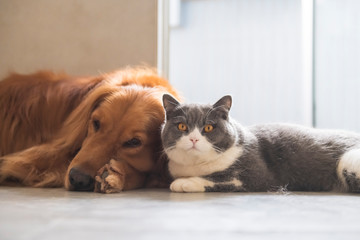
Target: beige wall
{"x": 76, "y": 36}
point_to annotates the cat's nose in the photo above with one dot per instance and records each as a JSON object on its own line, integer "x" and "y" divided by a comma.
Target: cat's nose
{"x": 194, "y": 140}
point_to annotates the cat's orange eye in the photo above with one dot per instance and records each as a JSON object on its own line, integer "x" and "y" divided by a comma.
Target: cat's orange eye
{"x": 182, "y": 127}
{"x": 208, "y": 128}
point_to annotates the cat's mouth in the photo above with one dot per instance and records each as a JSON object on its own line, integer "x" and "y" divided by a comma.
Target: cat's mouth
{"x": 193, "y": 149}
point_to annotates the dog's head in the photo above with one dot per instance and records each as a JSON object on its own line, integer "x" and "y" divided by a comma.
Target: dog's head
{"x": 122, "y": 123}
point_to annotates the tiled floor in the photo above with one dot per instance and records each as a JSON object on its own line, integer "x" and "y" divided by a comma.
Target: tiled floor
{"x": 45, "y": 214}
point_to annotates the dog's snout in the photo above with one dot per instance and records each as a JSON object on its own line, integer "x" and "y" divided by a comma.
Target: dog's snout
{"x": 80, "y": 181}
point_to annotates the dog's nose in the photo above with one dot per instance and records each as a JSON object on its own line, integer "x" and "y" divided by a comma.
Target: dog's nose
{"x": 80, "y": 181}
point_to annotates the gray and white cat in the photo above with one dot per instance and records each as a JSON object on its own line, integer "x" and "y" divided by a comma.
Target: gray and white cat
{"x": 209, "y": 151}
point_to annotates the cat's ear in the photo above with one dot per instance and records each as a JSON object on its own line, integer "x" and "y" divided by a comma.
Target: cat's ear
{"x": 169, "y": 102}
{"x": 225, "y": 102}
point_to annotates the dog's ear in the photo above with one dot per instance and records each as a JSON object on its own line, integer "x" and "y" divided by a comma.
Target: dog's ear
{"x": 75, "y": 128}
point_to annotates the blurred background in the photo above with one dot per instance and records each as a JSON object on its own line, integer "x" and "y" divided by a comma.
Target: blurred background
{"x": 292, "y": 61}
{"x": 80, "y": 37}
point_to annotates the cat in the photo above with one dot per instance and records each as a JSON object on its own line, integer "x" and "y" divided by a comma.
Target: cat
{"x": 208, "y": 151}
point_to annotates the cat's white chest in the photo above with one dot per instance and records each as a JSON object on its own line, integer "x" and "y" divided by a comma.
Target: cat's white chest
{"x": 182, "y": 164}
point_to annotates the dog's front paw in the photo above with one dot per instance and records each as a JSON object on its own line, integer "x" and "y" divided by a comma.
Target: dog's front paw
{"x": 192, "y": 184}
{"x": 110, "y": 178}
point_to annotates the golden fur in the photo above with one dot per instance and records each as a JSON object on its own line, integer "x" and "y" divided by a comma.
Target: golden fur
{"x": 105, "y": 127}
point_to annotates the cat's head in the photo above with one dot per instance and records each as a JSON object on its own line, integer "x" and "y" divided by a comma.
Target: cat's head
{"x": 197, "y": 129}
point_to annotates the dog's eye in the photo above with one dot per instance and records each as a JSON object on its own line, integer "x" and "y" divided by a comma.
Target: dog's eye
{"x": 96, "y": 125}
{"x": 134, "y": 142}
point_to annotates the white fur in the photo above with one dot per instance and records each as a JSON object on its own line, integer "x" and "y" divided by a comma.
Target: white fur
{"x": 351, "y": 162}
{"x": 192, "y": 184}
{"x": 235, "y": 182}
{"x": 197, "y": 184}
{"x": 200, "y": 159}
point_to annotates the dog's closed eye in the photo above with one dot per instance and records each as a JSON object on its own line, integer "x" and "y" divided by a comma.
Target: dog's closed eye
{"x": 134, "y": 142}
{"x": 96, "y": 125}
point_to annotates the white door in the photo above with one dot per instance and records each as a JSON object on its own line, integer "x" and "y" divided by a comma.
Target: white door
{"x": 249, "y": 49}
{"x": 262, "y": 51}
{"x": 337, "y": 61}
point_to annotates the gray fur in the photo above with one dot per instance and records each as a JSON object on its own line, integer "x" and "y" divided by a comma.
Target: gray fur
{"x": 274, "y": 155}
{"x": 352, "y": 181}
{"x": 195, "y": 115}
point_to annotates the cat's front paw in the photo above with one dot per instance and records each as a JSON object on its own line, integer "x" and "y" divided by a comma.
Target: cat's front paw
{"x": 192, "y": 184}
{"x": 110, "y": 178}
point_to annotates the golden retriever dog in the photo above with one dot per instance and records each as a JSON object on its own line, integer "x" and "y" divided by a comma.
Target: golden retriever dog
{"x": 88, "y": 134}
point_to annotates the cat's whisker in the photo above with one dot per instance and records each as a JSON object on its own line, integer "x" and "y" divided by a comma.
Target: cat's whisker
{"x": 217, "y": 149}
{"x": 170, "y": 148}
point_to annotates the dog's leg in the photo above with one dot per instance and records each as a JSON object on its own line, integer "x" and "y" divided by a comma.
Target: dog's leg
{"x": 40, "y": 166}
{"x": 117, "y": 176}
